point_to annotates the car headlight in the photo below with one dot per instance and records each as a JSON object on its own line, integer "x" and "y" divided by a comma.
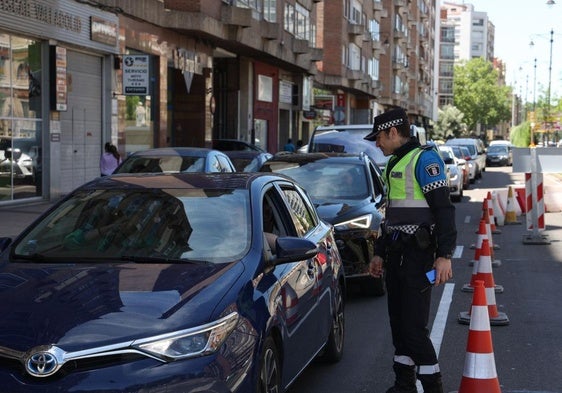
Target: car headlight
{"x": 198, "y": 341}
{"x": 361, "y": 222}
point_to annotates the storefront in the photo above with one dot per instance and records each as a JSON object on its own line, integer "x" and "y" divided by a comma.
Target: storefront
{"x": 54, "y": 95}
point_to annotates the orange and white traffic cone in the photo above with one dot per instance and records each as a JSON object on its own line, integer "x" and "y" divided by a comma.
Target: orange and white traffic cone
{"x": 482, "y": 267}
{"x": 485, "y": 275}
{"x": 479, "y": 373}
{"x": 488, "y": 203}
{"x": 510, "y": 212}
{"x": 484, "y": 232}
{"x": 489, "y": 227}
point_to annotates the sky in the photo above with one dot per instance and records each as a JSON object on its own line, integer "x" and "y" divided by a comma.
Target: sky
{"x": 517, "y": 22}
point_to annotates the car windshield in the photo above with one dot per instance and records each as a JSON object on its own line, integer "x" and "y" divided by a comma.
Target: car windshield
{"x": 155, "y": 164}
{"x": 167, "y": 225}
{"x": 346, "y": 141}
{"x": 333, "y": 181}
{"x": 497, "y": 149}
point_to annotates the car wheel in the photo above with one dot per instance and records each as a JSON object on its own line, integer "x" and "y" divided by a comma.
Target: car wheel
{"x": 333, "y": 350}
{"x": 373, "y": 286}
{"x": 269, "y": 377}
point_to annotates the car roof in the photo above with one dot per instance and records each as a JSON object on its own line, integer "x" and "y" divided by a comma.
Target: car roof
{"x": 184, "y": 180}
{"x": 303, "y": 158}
{"x": 176, "y": 151}
{"x": 340, "y": 127}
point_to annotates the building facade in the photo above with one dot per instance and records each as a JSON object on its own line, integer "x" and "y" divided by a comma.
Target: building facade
{"x": 155, "y": 73}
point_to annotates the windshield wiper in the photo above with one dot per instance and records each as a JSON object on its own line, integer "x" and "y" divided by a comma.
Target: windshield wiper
{"x": 161, "y": 259}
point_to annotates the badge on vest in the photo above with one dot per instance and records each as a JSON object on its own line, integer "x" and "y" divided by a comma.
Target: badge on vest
{"x": 396, "y": 175}
{"x": 433, "y": 169}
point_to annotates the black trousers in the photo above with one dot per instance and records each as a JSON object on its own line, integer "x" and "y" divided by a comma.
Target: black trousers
{"x": 409, "y": 299}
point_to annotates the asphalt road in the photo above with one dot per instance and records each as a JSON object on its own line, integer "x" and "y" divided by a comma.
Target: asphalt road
{"x": 527, "y": 352}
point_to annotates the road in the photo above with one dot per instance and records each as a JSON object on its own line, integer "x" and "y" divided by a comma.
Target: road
{"x": 527, "y": 352}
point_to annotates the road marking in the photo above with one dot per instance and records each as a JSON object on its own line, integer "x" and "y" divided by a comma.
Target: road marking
{"x": 438, "y": 328}
{"x": 467, "y": 220}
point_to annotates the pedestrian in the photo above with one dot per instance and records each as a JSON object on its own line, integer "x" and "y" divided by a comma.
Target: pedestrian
{"x": 110, "y": 159}
{"x": 289, "y": 146}
{"x": 418, "y": 235}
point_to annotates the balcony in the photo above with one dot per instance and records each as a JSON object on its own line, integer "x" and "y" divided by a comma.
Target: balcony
{"x": 236, "y": 16}
{"x": 353, "y": 75}
{"x": 355, "y": 29}
{"x": 300, "y": 46}
{"x": 269, "y": 30}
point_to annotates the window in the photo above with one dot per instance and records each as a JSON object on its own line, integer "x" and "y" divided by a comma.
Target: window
{"x": 302, "y": 22}
{"x": 289, "y": 20}
{"x": 302, "y": 218}
{"x": 270, "y": 10}
{"x": 354, "y": 57}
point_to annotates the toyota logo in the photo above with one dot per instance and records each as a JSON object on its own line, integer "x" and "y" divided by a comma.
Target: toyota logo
{"x": 41, "y": 364}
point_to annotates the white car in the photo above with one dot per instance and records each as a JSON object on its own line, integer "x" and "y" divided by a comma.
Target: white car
{"x": 477, "y": 155}
{"x": 456, "y": 180}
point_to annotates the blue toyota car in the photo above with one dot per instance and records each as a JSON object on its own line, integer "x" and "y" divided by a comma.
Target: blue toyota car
{"x": 175, "y": 282}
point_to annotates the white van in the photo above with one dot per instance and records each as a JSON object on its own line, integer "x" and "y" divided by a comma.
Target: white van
{"x": 477, "y": 154}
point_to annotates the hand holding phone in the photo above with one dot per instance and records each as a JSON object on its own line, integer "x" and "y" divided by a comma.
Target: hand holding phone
{"x": 431, "y": 276}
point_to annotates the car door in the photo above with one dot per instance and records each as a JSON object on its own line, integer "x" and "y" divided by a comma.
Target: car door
{"x": 304, "y": 306}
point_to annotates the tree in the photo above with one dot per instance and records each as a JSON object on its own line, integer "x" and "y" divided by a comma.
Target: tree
{"x": 449, "y": 123}
{"x": 478, "y": 95}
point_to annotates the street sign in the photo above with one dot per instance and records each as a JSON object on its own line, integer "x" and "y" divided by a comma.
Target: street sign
{"x": 136, "y": 75}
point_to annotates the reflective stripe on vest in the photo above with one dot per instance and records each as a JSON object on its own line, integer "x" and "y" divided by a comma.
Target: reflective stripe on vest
{"x": 406, "y": 201}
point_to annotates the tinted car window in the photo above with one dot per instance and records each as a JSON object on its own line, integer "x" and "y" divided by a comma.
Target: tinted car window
{"x": 109, "y": 224}
{"x": 346, "y": 141}
{"x": 303, "y": 220}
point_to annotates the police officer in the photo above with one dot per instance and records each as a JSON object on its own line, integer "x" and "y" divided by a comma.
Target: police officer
{"x": 418, "y": 235}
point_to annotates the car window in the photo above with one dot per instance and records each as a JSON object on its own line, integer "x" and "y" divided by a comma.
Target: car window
{"x": 346, "y": 141}
{"x": 224, "y": 164}
{"x": 110, "y": 223}
{"x": 302, "y": 218}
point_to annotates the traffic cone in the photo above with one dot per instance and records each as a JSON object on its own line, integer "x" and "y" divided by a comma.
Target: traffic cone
{"x": 492, "y": 217}
{"x": 480, "y": 267}
{"x": 485, "y": 275}
{"x": 484, "y": 228}
{"x": 479, "y": 373}
{"x": 510, "y": 212}
{"x": 489, "y": 228}
{"x": 498, "y": 210}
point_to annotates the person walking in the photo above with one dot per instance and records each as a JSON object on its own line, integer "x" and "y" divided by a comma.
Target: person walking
{"x": 110, "y": 159}
{"x": 418, "y": 235}
{"x": 289, "y": 146}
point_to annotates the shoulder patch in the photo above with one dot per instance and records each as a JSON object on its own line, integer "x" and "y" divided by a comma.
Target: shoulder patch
{"x": 433, "y": 169}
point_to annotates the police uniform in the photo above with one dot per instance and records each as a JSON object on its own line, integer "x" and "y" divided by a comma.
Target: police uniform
{"x": 419, "y": 226}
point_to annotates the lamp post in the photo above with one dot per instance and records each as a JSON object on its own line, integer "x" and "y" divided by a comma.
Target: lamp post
{"x": 547, "y": 114}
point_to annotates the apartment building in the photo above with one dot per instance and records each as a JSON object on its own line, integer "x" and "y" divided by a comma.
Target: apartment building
{"x": 153, "y": 73}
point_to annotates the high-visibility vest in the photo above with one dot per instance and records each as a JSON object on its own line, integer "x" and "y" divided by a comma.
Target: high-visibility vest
{"x": 406, "y": 206}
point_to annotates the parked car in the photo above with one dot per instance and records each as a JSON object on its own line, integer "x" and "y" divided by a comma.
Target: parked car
{"x": 456, "y": 180}
{"x": 463, "y": 156}
{"x": 477, "y": 154}
{"x": 176, "y": 159}
{"x": 348, "y": 192}
{"x": 246, "y": 160}
{"x": 346, "y": 139}
{"x": 19, "y": 158}
{"x": 499, "y": 155}
{"x": 183, "y": 282}
{"x": 234, "y": 144}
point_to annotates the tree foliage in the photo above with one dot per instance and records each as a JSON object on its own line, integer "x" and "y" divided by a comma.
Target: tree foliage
{"x": 449, "y": 123}
{"x": 478, "y": 95}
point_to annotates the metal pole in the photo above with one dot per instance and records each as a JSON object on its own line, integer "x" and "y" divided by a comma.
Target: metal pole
{"x": 547, "y": 114}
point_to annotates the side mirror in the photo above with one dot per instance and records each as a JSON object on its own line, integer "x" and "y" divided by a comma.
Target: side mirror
{"x": 292, "y": 249}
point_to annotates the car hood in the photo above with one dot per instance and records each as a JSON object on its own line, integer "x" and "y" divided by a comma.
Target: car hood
{"x": 94, "y": 305}
{"x": 335, "y": 212}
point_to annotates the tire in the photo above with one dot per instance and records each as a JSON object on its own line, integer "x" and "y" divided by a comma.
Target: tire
{"x": 333, "y": 351}
{"x": 373, "y": 286}
{"x": 269, "y": 376}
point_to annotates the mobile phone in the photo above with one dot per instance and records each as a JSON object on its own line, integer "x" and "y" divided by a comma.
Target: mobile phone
{"x": 431, "y": 276}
